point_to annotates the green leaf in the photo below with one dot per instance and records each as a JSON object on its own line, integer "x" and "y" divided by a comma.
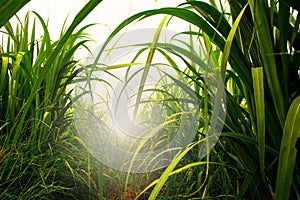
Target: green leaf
{"x": 284, "y": 16}
{"x": 288, "y": 152}
{"x": 266, "y": 46}
{"x": 258, "y": 84}
{"x": 148, "y": 65}
{"x": 8, "y": 8}
{"x": 168, "y": 171}
{"x": 3, "y": 74}
{"x": 248, "y": 141}
{"x": 229, "y": 41}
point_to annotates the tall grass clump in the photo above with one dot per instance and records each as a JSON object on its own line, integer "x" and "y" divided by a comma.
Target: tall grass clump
{"x": 40, "y": 156}
{"x": 255, "y": 46}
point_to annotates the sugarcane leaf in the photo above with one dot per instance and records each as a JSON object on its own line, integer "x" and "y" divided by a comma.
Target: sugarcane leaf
{"x": 258, "y": 84}
{"x": 9, "y": 8}
{"x": 288, "y": 152}
{"x": 229, "y": 41}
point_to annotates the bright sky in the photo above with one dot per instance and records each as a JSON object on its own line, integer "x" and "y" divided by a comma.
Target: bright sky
{"x": 109, "y": 13}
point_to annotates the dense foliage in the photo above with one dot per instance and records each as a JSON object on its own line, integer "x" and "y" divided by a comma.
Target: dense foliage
{"x": 255, "y": 48}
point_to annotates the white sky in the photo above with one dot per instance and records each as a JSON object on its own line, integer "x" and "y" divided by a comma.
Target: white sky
{"x": 109, "y": 13}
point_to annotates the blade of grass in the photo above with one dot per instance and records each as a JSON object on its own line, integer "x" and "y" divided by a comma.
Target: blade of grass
{"x": 148, "y": 65}
{"x": 229, "y": 40}
{"x": 169, "y": 170}
{"x": 9, "y": 8}
{"x": 4, "y": 68}
{"x": 288, "y": 152}
{"x": 266, "y": 47}
{"x": 258, "y": 84}
{"x": 283, "y": 21}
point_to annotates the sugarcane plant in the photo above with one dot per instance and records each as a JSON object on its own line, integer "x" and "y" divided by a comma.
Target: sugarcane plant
{"x": 255, "y": 46}
{"x": 38, "y": 148}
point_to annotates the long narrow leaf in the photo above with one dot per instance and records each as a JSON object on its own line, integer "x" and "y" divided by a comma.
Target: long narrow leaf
{"x": 258, "y": 84}
{"x": 147, "y": 66}
{"x": 263, "y": 32}
{"x": 229, "y": 41}
{"x": 288, "y": 152}
{"x": 168, "y": 172}
{"x": 8, "y": 8}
